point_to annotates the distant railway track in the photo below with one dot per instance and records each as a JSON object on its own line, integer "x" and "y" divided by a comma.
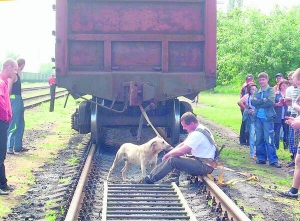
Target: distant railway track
{"x": 27, "y": 89}
{"x": 95, "y": 198}
{"x": 39, "y": 99}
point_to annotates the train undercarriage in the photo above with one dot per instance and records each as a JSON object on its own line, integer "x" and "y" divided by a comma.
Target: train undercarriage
{"x": 97, "y": 114}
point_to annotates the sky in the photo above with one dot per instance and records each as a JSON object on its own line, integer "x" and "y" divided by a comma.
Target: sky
{"x": 27, "y": 25}
{"x": 26, "y": 30}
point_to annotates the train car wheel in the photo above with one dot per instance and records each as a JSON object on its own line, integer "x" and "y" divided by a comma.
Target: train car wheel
{"x": 174, "y": 122}
{"x": 97, "y": 130}
{"x": 94, "y": 122}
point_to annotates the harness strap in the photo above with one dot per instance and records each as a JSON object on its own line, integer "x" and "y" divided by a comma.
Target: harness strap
{"x": 207, "y": 134}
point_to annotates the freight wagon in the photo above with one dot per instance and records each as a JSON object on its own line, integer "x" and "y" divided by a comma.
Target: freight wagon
{"x": 134, "y": 52}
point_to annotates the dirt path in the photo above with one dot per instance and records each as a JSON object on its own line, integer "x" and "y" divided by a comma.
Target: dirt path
{"x": 259, "y": 198}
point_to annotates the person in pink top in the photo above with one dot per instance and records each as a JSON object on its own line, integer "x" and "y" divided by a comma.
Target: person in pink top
{"x": 248, "y": 118}
{"x": 9, "y": 69}
{"x": 52, "y": 85}
{"x": 244, "y": 137}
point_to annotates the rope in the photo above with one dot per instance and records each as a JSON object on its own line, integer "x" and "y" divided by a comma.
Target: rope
{"x": 147, "y": 119}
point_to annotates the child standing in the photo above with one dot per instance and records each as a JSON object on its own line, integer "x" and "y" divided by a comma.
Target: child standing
{"x": 263, "y": 101}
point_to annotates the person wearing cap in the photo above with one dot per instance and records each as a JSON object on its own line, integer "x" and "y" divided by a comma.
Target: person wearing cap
{"x": 279, "y": 77}
{"x": 244, "y": 136}
{"x": 249, "y": 79}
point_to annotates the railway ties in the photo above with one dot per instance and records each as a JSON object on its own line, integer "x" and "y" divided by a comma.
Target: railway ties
{"x": 144, "y": 202}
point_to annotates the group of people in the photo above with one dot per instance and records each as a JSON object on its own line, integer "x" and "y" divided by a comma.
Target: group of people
{"x": 258, "y": 106}
{"x": 199, "y": 143}
{"x": 12, "y": 122}
{"x": 11, "y": 115}
{"x": 265, "y": 111}
{"x": 269, "y": 113}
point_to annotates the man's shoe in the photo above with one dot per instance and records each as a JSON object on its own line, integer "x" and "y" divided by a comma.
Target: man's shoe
{"x": 260, "y": 162}
{"x": 22, "y": 150}
{"x": 10, "y": 152}
{"x": 145, "y": 180}
{"x": 7, "y": 187}
{"x": 276, "y": 165}
{"x": 291, "y": 164}
{"x": 288, "y": 193}
{"x": 2, "y": 192}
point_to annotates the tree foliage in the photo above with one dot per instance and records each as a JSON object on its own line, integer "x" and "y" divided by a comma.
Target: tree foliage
{"x": 250, "y": 41}
{"x": 46, "y": 68}
{"x": 10, "y": 54}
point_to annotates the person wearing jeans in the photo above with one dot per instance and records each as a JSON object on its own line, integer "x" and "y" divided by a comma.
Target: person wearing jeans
{"x": 281, "y": 112}
{"x": 200, "y": 144}
{"x": 263, "y": 101}
{"x": 248, "y": 116}
{"x": 294, "y": 123}
{"x": 9, "y": 70}
{"x": 17, "y": 125}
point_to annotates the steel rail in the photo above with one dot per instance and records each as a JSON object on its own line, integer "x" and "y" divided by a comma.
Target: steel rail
{"x": 233, "y": 211}
{"x": 43, "y": 95}
{"x": 75, "y": 204}
{"x": 144, "y": 202}
{"x": 34, "y": 88}
{"x": 27, "y": 106}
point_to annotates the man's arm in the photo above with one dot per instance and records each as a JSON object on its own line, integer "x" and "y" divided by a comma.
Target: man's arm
{"x": 11, "y": 81}
{"x": 179, "y": 150}
{"x": 265, "y": 102}
{"x": 241, "y": 102}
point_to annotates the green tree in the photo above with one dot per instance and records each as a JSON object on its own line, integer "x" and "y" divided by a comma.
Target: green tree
{"x": 251, "y": 42}
{"x": 46, "y": 68}
{"x": 12, "y": 55}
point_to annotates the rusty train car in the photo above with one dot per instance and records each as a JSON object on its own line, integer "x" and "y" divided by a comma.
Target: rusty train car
{"x": 127, "y": 53}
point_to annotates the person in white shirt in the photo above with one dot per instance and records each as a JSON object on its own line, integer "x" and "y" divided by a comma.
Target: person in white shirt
{"x": 199, "y": 143}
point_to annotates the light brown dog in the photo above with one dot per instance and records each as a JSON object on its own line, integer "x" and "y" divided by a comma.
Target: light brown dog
{"x": 141, "y": 155}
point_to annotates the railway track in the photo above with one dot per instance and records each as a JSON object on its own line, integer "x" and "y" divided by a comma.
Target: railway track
{"x": 39, "y": 99}
{"x": 144, "y": 202}
{"x": 97, "y": 199}
{"x": 27, "y": 89}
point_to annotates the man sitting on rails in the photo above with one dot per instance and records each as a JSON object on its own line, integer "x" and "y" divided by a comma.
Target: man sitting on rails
{"x": 200, "y": 143}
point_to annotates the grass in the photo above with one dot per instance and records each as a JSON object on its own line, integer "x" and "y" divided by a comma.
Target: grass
{"x": 65, "y": 180}
{"x": 50, "y": 214}
{"x": 52, "y": 132}
{"x": 222, "y": 108}
{"x": 72, "y": 161}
